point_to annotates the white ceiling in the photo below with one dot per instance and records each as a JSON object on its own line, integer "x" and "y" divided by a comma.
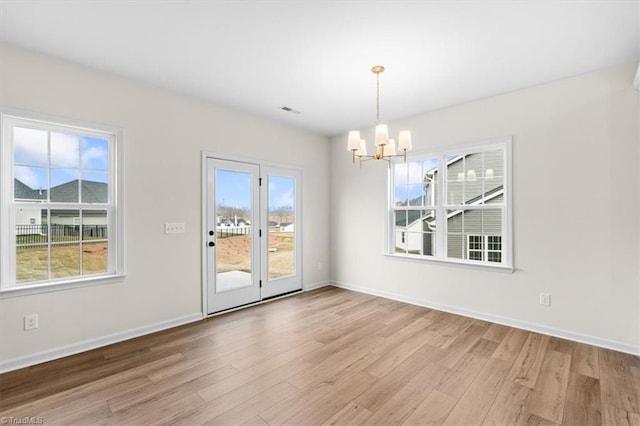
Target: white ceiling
{"x": 315, "y": 56}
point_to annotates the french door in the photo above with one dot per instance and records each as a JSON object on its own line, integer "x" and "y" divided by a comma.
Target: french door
{"x": 252, "y": 242}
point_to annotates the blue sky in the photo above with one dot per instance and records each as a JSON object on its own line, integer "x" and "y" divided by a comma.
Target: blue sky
{"x": 233, "y": 189}
{"x": 281, "y": 192}
{"x": 409, "y": 179}
{"x": 68, "y": 157}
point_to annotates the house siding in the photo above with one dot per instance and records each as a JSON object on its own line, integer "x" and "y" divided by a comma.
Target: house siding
{"x": 467, "y": 176}
{"x": 476, "y": 222}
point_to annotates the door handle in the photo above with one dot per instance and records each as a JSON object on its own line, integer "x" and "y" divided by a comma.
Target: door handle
{"x": 211, "y": 244}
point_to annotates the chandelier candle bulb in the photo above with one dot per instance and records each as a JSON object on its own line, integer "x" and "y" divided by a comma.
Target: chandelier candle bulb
{"x": 382, "y": 134}
{"x": 404, "y": 140}
{"x": 362, "y": 150}
{"x": 390, "y": 149}
{"x": 354, "y": 143}
{"x": 354, "y": 140}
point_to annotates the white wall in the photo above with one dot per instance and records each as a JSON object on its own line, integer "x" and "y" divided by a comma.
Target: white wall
{"x": 576, "y": 211}
{"x": 164, "y": 136}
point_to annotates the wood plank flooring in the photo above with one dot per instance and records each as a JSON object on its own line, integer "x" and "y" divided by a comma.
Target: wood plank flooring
{"x": 333, "y": 357}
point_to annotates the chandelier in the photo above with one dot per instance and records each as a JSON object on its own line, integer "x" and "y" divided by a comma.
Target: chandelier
{"x": 385, "y": 147}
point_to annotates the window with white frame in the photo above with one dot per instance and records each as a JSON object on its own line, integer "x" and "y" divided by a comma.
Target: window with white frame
{"x": 487, "y": 248}
{"x": 475, "y": 247}
{"x": 61, "y": 213}
{"x": 453, "y": 205}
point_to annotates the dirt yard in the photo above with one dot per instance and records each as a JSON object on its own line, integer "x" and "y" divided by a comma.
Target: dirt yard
{"x": 31, "y": 262}
{"x": 234, "y": 254}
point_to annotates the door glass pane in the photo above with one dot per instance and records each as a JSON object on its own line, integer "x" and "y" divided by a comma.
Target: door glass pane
{"x": 233, "y": 229}
{"x": 282, "y": 227}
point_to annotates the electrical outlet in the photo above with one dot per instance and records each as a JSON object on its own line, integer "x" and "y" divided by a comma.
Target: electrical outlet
{"x": 174, "y": 228}
{"x": 545, "y": 299}
{"x": 30, "y": 322}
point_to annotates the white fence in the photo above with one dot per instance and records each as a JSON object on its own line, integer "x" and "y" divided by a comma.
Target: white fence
{"x": 232, "y": 231}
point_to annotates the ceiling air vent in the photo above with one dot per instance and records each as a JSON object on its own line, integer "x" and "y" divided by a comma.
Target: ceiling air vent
{"x": 288, "y": 109}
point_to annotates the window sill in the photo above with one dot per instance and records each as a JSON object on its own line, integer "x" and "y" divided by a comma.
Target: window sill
{"x": 26, "y": 290}
{"x": 464, "y": 264}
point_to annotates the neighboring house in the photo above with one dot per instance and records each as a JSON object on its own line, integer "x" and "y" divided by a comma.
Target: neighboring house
{"x": 273, "y": 226}
{"x": 27, "y": 215}
{"x": 230, "y": 227}
{"x": 412, "y": 233}
{"x": 468, "y": 234}
{"x": 92, "y": 192}
{"x": 234, "y": 222}
{"x": 29, "y": 220}
{"x": 286, "y": 227}
{"x": 280, "y": 218}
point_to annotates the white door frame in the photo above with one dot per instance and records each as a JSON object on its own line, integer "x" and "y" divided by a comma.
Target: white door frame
{"x": 283, "y": 285}
{"x": 239, "y": 291}
{"x": 203, "y": 226}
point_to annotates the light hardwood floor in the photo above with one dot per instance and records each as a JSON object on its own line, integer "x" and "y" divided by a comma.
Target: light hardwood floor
{"x": 333, "y": 356}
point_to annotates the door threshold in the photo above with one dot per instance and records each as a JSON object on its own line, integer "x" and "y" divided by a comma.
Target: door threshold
{"x": 259, "y": 302}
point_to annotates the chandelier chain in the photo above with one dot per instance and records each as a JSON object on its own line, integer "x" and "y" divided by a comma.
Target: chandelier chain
{"x": 377, "y": 98}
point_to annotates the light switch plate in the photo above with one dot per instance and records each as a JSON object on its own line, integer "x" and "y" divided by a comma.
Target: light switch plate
{"x": 174, "y": 228}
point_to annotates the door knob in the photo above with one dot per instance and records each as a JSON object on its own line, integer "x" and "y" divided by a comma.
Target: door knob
{"x": 210, "y": 232}
{"x": 211, "y": 244}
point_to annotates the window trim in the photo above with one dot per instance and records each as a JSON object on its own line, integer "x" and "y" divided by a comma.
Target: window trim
{"x": 8, "y": 287}
{"x": 504, "y": 143}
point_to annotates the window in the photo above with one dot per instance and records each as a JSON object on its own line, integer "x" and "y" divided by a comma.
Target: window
{"x": 61, "y": 216}
{"x": 453, "y": 205}
{"x": 475, "y": 247}
{"x": 487, "y": 248}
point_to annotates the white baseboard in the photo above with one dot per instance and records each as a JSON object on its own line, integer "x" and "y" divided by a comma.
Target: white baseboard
{"x": 313, "y": 286}
{"x": 550, "y": 331}
{"x": 60, "y": 352}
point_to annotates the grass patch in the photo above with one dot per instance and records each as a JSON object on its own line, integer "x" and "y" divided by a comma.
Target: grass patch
{"x": 32, "y": 263}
